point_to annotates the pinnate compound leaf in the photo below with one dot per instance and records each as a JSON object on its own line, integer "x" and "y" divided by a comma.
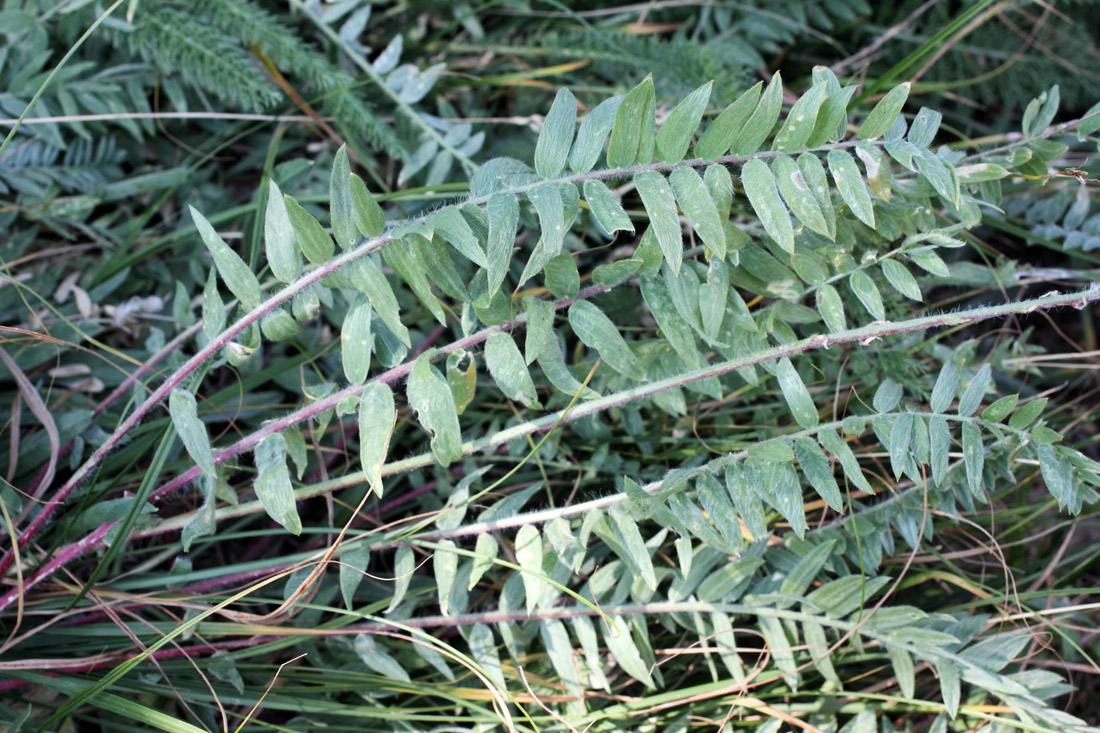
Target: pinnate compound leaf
{"x": 596, "y": 331}
{"x": 556, "y": 136}
{"x": 279, "y": 242}
{"x": 192, "y": 431}
{"x": 508, "y": 369}
{"x": 592, "y": 134}
{"x": 763, "y": 119}
{"x": 698, "y": 206}
{"x": 606, "y": 208}
{"x": 370, "y": 220}
{"x": 675, "y": 134}
{"x": 634, "y": 129}
{"x": 725, "y": 128}
{"x": 794, "y": 391}
{"x": 884, "y": 113}
{"x": 660, "y": 203}
{"x": 430, "y": 396}
{"x": 341, "y": 208}
{"x": 356, "y": 340}
{"x": 236, "y": 275}
{"x": 272, "y": 485}
{"x": 852, "y": 187}
{"x": 761, "y": 189}
{"x": 377, "y": 416}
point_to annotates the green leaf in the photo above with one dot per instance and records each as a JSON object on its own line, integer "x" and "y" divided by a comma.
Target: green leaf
{"x": 719, "y": 508}
{"x": 616, "y": 273}
{"x": 800, "y": 577}
{"x": 799, "y": 125}
{"x": 885, "y": 112}
{"x": 377, "y": 417}
{"x": 376, "y": 659}
{"x": 634, "y": 130}
{"x": 356, "y": 341}
{"x": 698, "y": 206}
{"x": 660, "y": 203}
{"x": 1028, "y": 413}
{"x": 548, "y": 204}
{"x": 408, "y": 260}
{"x": 279, "y": 242}
{"x": 431, "y": 398}
{"x": 562, "y": 278}
{"x": 901, "y": 435}
{"x": 353, "y": 565}
{"x": 483, "y": 650}
{"x": 903, "y": 670}
{"x": 939, "y": 174}
{"x": 622, "y": 647}
{"x": 370, "y": 220}
{"x": 798, "y": 196}
{"x": 485, "y": 554}
{"x": 272, "y": 485}
{"x": 902, "y": 280}
{"x": 203, "y": 522}
{"x": 236, "y": 275}
{"x": 747, "y": 501}
{"x": 721, "y": 133}
{"x": 592, "y": 134}
{"x": 781, "y": 650}
{"x": 719, "y": 185}
{"x": 831, "y": 308}
{"x": 713, "y": 296}
{"x": 596, "y": 331}
{"x": 939, "y": 440}
{"x": 1058, "y": 476}
{"x": 887, "y": 396}
{"x": 761, "y": 189}
{"x": 529, "y": 556}
{"x": 508, "y": 369}
{"x": 867, "y": 292}
{"x": 763, "y": 119}
{"x": 445, "y": 566}
{"x": 341, "y": 208}
{"x": 503, "y": 212}
{"x": 975, "y": 391}
{"x": 185, "y": 419}
{"x": 818, "y": 472}
{"x": 404, "y": 564}
{"x": 453, "y": 227}
{"x": 314, "y": 242}
{"x": 1000, "y": 409}
{"x": 629, "y": 537}
{"x": 556, "y": 135}
{"x": 813, "y": 173}
{"x": 973, "y": 456}
{"x": 556, "y": 639}
{"x": 947, "y": 384}
{"x": 818, "y": 647}
{"x": 278, "y": 325}
{"x": 675, "y": 134}
{"x": 213, "y": 311}
{"x": 776, "y": 450}
{"x": 950, "y": 686}
{"x": 795, "y": 392}
{"x": 540, "y": 323}
{"x": 851, "y": 185}
{"x": 832, "y": 118}
{"x": 553, "y": 366}
{"x": 605, "y": 207}
{"x": 833, "y": 443}
{"x": 367, "y": 277}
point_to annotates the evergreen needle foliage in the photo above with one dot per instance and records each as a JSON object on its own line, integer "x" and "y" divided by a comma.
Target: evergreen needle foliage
{"x": 716, "y": 404}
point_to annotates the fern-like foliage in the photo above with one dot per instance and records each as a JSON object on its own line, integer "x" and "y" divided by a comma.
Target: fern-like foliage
{"x": 755, "y": 249}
